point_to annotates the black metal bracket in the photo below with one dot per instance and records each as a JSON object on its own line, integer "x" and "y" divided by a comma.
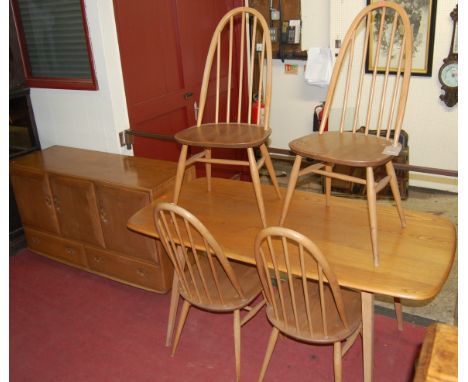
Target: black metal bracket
{"x": 126, "y": 137}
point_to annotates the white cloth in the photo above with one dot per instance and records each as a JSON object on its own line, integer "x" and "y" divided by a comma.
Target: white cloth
{"x": 319, "y": 66}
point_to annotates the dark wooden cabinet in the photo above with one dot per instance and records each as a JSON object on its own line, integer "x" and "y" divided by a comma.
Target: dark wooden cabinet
{"x": 75, "y": 205}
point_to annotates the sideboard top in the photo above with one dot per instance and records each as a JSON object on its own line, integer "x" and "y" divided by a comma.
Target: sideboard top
{"x": 99, "y": 166}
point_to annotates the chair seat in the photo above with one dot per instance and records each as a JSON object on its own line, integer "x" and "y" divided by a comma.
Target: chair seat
{"x": 246, "y": 275}
{"x": 224, "y": 135}
{"x": 335, "y": 328}
{"x": 351, "y": 149}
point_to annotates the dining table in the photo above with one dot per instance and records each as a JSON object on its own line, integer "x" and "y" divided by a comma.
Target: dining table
{"x": 414, "y": 261}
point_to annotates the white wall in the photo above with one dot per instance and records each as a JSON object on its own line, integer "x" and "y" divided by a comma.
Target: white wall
{"x": 292, "y": 104}
{"x": 88, "y": 119}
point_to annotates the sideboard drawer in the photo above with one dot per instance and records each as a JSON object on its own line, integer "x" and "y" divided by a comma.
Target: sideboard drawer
{"x": 52, "y": 246}
{"x": 128, "y": 270}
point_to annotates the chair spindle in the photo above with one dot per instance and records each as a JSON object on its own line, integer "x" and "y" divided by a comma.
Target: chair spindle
{"x": 348, "y": 80}
{"x": 374, "y": 73}
{"x": 231, "y": 33}
{"x": 387, "y": 70}
{"x": 362, "y": 72}
{"x": 241, "y": 66}
{"x": 252, "y": 59}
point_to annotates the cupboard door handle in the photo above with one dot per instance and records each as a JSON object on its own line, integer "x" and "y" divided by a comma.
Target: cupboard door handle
{"x": 57, "y": 203}
{"x": 48, "y": 201}
{"x": 188, "y": 95}
{"x": 103, "y": 215}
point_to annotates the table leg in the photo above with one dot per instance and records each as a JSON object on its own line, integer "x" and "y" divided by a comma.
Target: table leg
{"x": 367, "y": 301}
{"x": 172, "y": 309}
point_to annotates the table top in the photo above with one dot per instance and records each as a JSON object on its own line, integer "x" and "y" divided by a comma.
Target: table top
{"x": 438, "y": 360}
{"x": 414, "y": 261}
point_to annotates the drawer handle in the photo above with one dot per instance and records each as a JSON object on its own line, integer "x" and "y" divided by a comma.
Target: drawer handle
{"x": 141, "y": 272}
{"x": 98, "y": 259}
{"x": 35, "y": 240}
{"x": 70, "y": 251}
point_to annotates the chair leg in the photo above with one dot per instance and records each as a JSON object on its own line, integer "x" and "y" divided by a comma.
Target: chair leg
{"x": 237, "y": 342}
{"x": 208, "y": 168}
{"x": 269, "y": 352}
{"x": 182, "y": 318}
{"x": 256, "y": 184}
{"x": 328, "y": 180}
{"x": 337, "y": 361}
{"x": 172, "y": 309}
{"x": 395, "y": 191}
{"x": 398, "y": 313}
{"x": 372, "y": 207}
{"x": 180, "y": 173}
{"x": 270, "y": 168}
{"x": 291, "y": 187}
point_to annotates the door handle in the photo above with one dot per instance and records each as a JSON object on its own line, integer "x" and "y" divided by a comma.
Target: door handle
{"x": 188, "y": 95}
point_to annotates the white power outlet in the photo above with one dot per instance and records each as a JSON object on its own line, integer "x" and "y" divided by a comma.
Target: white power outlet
{"x": 259, "y": 47}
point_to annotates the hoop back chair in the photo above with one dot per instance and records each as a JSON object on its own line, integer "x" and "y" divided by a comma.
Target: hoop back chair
{"x": 309, "y": 311}
{"x": 367, "y": 91}
{"x": 204, "y": 276}
{"x": 235, "y": 126}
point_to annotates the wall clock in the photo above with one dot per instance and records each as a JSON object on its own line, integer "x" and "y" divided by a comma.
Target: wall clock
{"x": 448, "y": 72}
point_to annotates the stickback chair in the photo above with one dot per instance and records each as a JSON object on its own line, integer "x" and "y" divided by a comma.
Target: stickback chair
{"x": 379, "y": 42}
{"x": 205, "y": 277}
{"x": 239, "y": 127}
{"x": 309, "y": 311}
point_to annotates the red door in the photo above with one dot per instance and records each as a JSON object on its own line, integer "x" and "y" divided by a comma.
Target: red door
{"x": 163, "y": 46}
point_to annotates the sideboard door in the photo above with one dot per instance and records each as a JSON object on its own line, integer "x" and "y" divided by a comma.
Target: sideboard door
{"x": 116, "y": 205}
{"x": 34, "y": 199}
{"x": 75, "y": 203}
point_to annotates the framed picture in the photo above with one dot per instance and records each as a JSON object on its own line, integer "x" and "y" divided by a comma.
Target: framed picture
{"x": 422, "y": 15}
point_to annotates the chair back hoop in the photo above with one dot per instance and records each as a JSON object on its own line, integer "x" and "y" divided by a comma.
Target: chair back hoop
{"x": 242, "y": 46}
{"x": 289, "y": 259}
{"x": 373, "y": 72}
{"x": 198, "y": 259}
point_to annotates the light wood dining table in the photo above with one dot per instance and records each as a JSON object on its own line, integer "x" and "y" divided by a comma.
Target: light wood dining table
{"x": 414, "y": 261}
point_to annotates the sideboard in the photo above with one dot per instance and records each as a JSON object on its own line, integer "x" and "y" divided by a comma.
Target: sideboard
{"x": 75, "y": 203}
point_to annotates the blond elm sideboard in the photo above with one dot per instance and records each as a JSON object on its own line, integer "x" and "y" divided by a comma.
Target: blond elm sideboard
{"x": 74, "y": 205}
